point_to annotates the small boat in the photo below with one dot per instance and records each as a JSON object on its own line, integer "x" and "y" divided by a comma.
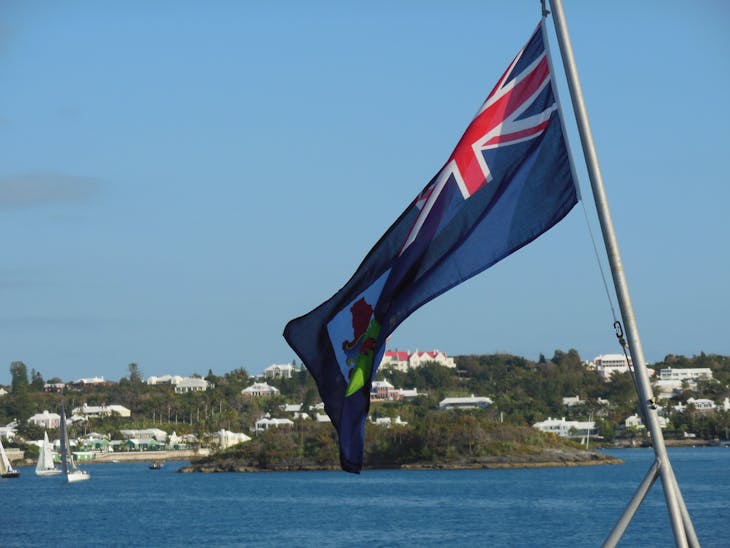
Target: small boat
{"x": 157, "y": 465}
{"x": 46, "y": 466}
{"x": 6, "y": 469}
{"x": 70, "y": 470}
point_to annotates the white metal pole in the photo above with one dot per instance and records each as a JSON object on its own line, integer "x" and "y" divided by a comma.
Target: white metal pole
{"x": 637, "y": 354}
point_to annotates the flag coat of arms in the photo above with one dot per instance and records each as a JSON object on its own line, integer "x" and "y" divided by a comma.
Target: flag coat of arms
{"x": 508, "y": 180}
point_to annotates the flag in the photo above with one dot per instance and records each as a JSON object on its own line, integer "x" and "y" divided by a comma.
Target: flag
{"x": 508, "y": 180}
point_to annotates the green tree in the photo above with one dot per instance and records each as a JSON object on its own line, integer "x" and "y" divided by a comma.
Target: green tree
{"x": 19, "y": 376}
{"x": 36, "y": 382}
{"x": 19, "y": 402}
{"x": 135, "y": 374}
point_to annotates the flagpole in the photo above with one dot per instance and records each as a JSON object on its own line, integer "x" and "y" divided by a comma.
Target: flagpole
{"x": 677, "y": 512}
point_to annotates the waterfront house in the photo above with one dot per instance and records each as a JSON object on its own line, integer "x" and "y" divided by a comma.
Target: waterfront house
{"x": 144, "y": 444}
{"x": 156, "y": 433}
{"x": 567, "y": 429}
{"x": 634, "y": 421}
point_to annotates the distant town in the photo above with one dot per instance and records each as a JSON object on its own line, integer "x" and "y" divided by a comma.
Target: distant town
{"x": 589, "y": 401}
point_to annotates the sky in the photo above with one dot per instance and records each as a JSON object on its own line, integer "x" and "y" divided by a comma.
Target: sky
{"x": 179, "y": 179}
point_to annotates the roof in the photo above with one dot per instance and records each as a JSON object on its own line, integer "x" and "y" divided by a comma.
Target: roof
{"x": 469, "y": 399}
{"x": 260, "y": 387}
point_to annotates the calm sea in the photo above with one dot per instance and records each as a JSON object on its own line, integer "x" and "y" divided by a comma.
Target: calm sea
{"x": 128, "y": 504}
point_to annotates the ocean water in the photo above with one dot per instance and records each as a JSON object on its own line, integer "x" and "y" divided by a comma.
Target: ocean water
{"x": 127, "y": 504}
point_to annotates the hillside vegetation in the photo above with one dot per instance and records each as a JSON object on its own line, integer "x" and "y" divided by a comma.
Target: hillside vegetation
{"x": 523, "y": 391}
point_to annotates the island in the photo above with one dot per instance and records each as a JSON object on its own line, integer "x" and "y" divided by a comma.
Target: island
{"x": 455, "y": 440}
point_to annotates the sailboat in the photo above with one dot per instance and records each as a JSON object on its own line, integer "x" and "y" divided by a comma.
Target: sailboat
{"x": 70, "y": 470}
{"x": 45, "y": 466}
{"x": 6, "y": 470}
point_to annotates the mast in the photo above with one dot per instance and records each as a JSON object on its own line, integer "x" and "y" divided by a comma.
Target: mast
{"x": 64, "y": 441}
{"x": 679, "y": 518}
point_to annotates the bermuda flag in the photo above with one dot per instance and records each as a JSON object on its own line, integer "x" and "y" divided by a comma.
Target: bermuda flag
{"x": 508, "y": 180}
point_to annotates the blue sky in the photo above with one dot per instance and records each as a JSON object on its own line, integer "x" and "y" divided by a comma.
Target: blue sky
{"x": 179, "y": 179}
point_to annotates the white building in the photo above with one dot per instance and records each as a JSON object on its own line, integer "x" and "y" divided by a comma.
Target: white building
{"x": 102, "y": 411}
{"x": 409, "y": 393}
{"x": 291, "y": 407}
{"x": 695, "y": 373}
{"x": 403, "y": 361}
{"x": 566, "y": 429}
{"x": 634, "y": 421}
{"x": 146, "y": 433}
{"x": 387, "y": 421}
{"x": 192, "y": 384}
{"x": 383, "y": 390}
{"x": 258, "y": 389}
{"x": 469, "y": 402}
{"x": 46, "y": 420}
{"x": 608, "y": 364}
{"x": 2, "y": 392}
{"x": 90, "y": 381}
{"x": 181, "y": 384}
{"x": 164, "y": 379}
{"x": 8, "y": 431}
{"x": 702, "y": 404}
{"x": 571, "y": 401}
{"x": 265, "y": 423}
{"x": 277, "y": 371}
{"x": 667, "y": 388}
{"x": 227, "y": 439}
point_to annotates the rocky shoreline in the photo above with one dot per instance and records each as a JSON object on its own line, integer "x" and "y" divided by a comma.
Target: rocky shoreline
{"x": 548, "y": 458}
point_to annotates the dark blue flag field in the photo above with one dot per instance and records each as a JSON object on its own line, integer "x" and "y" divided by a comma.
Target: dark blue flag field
{"x": 508, "y": 180}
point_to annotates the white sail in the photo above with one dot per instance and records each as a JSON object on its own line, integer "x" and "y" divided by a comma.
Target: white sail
{"x": 4, "y": 462}
{"x": 45, "y": 466}
{"x": 6, "y": 470}
{"x": 73, "y": 474}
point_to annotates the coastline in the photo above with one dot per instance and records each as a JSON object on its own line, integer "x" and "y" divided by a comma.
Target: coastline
{"x": 547, "y": 459}
{"x": 135, "y": 456}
